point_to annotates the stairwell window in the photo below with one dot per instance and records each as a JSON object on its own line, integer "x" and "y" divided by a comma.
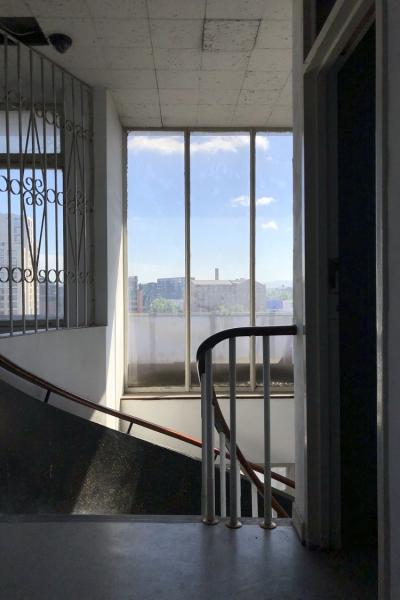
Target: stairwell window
{"x": 209, "y": 247}
{"x": 46, "y": 201}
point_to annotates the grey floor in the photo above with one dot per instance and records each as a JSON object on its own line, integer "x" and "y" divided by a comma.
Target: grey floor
{"x": 94, "y": 558}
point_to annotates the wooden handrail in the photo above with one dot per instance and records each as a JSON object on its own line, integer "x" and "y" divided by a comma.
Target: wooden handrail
{"x": 8, "y": 365}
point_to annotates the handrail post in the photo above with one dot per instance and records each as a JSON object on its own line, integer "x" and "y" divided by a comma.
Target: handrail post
{"x": 234, "y": 521}
{"x": 222, "y": 474}
{"x": 208, "y": 468}
{"x": 267, "y": 523}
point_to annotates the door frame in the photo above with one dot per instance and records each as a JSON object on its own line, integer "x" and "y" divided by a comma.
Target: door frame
{"x": 317, "y": 512}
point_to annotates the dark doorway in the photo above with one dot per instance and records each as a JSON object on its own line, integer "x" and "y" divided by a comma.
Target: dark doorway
{"x": 357, "y": 294}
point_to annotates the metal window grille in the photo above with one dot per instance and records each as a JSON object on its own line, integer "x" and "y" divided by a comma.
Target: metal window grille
{"x": 46, "y": 194}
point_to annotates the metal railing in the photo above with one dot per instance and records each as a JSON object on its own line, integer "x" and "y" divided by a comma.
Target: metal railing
{"x": 50, "y": 388}
{"x": 212, "y": 418}
{"x": 46, "y": 193}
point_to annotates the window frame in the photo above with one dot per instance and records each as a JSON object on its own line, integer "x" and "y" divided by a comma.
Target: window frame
{"x": 191, "y": 389}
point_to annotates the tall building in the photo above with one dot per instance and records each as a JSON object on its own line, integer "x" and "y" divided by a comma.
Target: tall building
{"x": 171, "y": 288}
{"x": 132, "y": 293}
{"x": 17, "y": 253}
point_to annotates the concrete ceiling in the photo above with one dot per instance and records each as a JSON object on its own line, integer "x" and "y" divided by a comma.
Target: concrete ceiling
{"x": 178, "y": 63}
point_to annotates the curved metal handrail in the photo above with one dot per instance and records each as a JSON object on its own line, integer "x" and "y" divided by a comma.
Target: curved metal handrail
{"x": 210, "y": 342}
{"x": 220, "y": 423}
{"x": 13, "y": 368}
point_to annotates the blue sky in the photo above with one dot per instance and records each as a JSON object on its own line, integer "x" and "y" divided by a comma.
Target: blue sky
{"x": 219, "y": 206}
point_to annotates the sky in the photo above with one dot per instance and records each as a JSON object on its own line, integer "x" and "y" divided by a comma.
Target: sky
{"x": 219, "y": 198}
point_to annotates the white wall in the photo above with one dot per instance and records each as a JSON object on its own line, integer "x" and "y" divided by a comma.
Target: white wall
{"x": 183, "y": 415}
{"x": 89, "y": 361}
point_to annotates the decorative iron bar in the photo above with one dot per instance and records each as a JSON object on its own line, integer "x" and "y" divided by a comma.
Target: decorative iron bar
{"x": 46, "y": 194}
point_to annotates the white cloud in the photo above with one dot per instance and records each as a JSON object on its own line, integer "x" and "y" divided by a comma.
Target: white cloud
{"x": 270, "y": 225}
{"x": 265, "y": 200}
{"x": 245, "y": 201}
{"x": 173, "y": 144}
{"x": 241, "y": 201}
{"x": 262, "y": 142}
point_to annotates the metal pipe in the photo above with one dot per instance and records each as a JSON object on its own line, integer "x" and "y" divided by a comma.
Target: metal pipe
{"x": 84, "y": 199}
{"x": 267, "y": 523}
{"x": 45, "y": 197}
{"x": 33, "y": 245}
{"x": 233, "y": 522}
{"x": 76, "y": 252}
{"x": 54, "y": 94}
{"x": 21, "y": 188}
{"x": 187, "y": 261}
{"x": 63, "y": 132}
{"x": 222, "y": 474}
{"x": 253, "y": 257}
{"x": 9, "y": 207}
{"x": 203, "y": 447}
{"x": 254, "y": 501}
{"x": 209, "y": 518}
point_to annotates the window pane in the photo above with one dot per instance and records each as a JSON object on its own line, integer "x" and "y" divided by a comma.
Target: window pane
{"x": 274, "y": 249}
{"x": 220, "y": 289}
{"x": 156, "y": 259}
{"x": 28, "y": 246}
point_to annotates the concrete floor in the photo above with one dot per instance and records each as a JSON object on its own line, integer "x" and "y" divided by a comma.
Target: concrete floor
{"x": 78, "y": 558}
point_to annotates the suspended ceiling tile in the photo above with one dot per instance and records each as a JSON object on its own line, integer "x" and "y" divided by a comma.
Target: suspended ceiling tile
{"x": 258, "y": 97}
{"x": 121, "y": 79}
{"x": 178, "y": 80}
{"x": 81, "y": 31}
{"x": 221, "y": 80}
{"x": 216, "y": 97}
{"x": 176, "y": 9}
{"x": 215, "y": 116}
{"x": 136, "y": 96}
{"x": 123, "y": 33}
{"x": 134, "y": 121}
{"x": 130, "y": 9}
{"x": 286, "y": 97}
{"x": 225, "y": 61}
{"x": 271, "y": 60}
{"x": 274, "y": 34}
{"x": 129, "y": 58}
{"x": 235, "y": 9}
{"x": 281, "y": 116}
{"x": 278, "y": 9}
{"x": 94, "y": 58}
{"x": 58, "y": 8}
{"x": 257, "y": 116}
{"x": 265, "y": 80}
{"x": 183, "y": 59}
{"x": 139, "y": 110}
{"x": 170, "y": 33}
{"x": 187, "y": 97}
{"x": 173, "y": 115}
{"x": 222, "y": 35}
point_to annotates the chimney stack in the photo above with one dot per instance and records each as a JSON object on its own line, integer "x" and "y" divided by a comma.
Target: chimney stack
{"x": 216, "y": 274}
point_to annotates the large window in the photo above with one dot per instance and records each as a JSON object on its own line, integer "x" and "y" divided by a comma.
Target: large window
{"x": 209, "y": 247}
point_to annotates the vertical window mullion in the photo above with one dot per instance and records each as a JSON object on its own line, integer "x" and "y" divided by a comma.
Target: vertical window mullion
{"x": 187, "y": 261}
{"x": 252, "y": 255}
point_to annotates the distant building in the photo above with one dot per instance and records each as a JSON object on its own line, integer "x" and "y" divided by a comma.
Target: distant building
{"x": 148, "y": 293}
{"x": 132, "y": 293}
{"x": 16, "y": 256}
{"x": 220, "y": 295}
{"x": 52, "y": 301}
{"x": 171, "y": 288}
